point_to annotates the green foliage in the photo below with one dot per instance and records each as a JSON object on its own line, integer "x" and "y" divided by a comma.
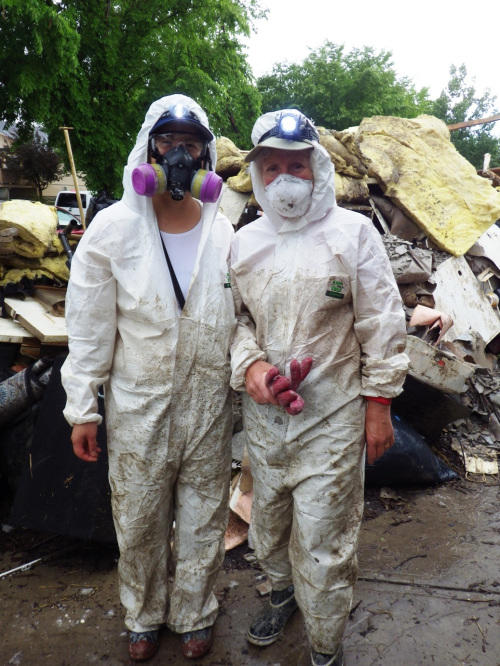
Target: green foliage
{"x": 33, "y": 161}
{"x": 338, "y": 89}
{"x": 460, "y": 102}
{"x": 96, "y": 66}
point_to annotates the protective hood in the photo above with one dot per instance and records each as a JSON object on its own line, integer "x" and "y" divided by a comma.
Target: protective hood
{"x": 323, "y": 195}
{"x": 139, "y": 153}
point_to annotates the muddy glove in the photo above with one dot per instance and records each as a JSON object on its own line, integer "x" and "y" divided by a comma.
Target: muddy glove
{"x": 299, "y": 371}
{"x": 284, "y": 389}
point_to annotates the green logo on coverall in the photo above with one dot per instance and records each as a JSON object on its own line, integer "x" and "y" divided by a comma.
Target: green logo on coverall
{"x": 227, "y": 283}
{"x": 335, "y": 290}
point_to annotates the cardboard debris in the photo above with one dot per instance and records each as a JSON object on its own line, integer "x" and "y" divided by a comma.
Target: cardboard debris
{"x": 236, "y": 532}
{"x": 264, "y": 588}
{"x": 400, "y": 224}
{"x": 409, "y": 264}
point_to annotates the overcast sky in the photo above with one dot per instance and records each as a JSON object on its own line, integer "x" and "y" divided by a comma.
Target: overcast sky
{"x": 425, "y": 37}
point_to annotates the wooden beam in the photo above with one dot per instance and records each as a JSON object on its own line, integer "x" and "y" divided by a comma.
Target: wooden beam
{"x": 479, "y": 121}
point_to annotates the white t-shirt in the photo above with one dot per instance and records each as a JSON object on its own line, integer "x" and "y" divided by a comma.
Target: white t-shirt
{"x": 182, "y": 250}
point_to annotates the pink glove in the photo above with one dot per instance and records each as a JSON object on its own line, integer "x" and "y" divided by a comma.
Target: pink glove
{"x": 284, "y": 389}
{"x": 299, "y": 371}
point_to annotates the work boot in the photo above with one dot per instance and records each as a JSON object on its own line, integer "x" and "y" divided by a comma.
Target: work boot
{"x": 321, "y": 659}
{"x": 142, "y": 645}
{"x": 197, "y": 643}
{"x": 269, "y": 625}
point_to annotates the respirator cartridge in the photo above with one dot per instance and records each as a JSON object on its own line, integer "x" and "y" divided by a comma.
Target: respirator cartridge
{"x": 176, "y": 173}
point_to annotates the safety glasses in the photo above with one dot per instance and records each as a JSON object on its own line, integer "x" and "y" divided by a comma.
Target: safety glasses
{"x": 165, "y": 142}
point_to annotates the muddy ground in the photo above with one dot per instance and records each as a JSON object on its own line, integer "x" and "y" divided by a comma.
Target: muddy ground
{"x": 428, "y": 592}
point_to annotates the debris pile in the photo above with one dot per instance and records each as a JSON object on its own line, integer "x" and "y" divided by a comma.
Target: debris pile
{"x": 436, "y": 217}
{"x": 439, "y": 224}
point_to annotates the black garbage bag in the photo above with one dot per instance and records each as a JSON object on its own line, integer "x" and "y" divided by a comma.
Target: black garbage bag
{"x": 409, "y": 462}
{"x": 58, "y": 492}
{"x": 99, "y": 202}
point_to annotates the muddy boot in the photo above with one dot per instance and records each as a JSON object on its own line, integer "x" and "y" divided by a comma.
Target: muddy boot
{"x": 268, "y": 626}
{"x": 195, "y": 644}
{"x": 143, "y": 645}
{"x": 321, "y": 659}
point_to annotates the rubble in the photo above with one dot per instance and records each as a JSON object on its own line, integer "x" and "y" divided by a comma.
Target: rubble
{"x": 436, "y": 216}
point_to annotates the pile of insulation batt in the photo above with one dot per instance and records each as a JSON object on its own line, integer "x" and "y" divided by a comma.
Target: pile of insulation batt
{"x": 29, "y": 244}
{"x": 413, "y": 163}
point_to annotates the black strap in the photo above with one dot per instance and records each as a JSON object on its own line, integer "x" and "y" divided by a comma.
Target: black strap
{"x": 178, "y": 291}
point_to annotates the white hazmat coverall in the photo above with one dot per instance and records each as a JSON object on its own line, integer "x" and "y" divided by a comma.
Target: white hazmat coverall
{"x": 167, "y": 398}
{"x": 318, "y": 286}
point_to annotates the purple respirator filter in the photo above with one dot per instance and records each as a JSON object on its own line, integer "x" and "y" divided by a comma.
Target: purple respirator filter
{"x": 150, "y": 179}
{"x": 206, "y": 186}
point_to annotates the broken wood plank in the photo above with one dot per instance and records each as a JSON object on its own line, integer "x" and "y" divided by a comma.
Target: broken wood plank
{"x": 35, "y": 318}
{"x": 12, "y": 331}
{"x": 478, "y": 121}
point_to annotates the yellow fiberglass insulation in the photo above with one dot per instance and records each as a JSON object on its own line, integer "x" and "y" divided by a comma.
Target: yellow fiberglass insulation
{"x": 242, "y": 182}
{"x": 350, "y": 190}
{"x": 36, "y": 224}
{"x": 418, "y": 167}
{"x": 229, "y": 158}
{"x": 53, "y": 268}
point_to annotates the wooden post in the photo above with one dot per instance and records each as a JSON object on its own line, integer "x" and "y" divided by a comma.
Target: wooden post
{"x": 470, "y": 123}
{"x": 73, "y": 173}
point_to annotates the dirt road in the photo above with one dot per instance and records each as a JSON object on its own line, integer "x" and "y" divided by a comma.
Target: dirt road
{"x": 428, "y": 593}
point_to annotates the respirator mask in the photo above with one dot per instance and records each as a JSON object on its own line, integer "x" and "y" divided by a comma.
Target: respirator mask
{"x": 290, "y": 196}
{"x": 177, "y": 173}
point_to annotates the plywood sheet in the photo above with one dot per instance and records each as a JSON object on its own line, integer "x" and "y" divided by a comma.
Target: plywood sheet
{"x": 11, "y": 331}
{"x": 36, "y": 318}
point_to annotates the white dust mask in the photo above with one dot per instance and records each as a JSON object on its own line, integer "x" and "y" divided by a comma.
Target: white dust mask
{"x": 290, "y": 196}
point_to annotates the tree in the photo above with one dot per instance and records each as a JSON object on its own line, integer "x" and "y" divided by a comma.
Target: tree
{"x": 96, "y": 66}
{"x": 459, "y": 102}
{"x": 33, "y": 161}
{"x": 338, "y": 89}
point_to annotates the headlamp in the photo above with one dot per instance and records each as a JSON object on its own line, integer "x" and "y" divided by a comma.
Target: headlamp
{"x": 288, "y": 125}
{"x": 293, "y": 126}
{"x": 178, "y": 113}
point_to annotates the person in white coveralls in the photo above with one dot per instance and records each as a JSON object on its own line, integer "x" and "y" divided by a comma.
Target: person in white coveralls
{"x": 319, "y": 349}
{"x": 150, "y": 317}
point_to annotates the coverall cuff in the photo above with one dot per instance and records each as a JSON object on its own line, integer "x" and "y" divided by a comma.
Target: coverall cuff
{"x": 382, "y": 401}
{"x": 77, "y": 420}
{"x": 240, "y": 368}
